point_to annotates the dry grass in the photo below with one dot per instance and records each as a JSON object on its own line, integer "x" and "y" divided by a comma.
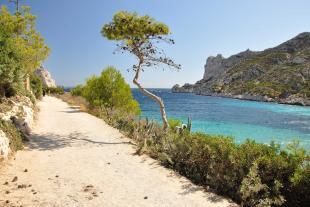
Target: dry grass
{"x": 75, "y": 100}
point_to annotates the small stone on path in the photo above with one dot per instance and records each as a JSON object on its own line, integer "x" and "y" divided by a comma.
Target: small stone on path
{"x": 22, "y": 186}
{"x": 15, "y": 179}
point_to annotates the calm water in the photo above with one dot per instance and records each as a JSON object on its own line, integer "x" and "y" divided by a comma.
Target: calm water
{"x": 261, "y": 121}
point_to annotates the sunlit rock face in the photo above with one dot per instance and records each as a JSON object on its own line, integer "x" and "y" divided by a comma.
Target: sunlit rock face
{"x": 46, "y": 77}
{"x": 279, "y": 74}
{"x": 216, "y": 66}
{"x": 4, "y": 146}
{"x": 21, "y": 114}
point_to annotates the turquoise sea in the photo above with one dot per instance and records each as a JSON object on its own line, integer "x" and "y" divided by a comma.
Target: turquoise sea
{"x": 241, "y": 119}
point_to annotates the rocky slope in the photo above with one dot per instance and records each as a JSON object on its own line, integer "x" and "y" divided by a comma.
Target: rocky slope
{"x": 46, "y": 78}
{"x": 19, "y": 111}
{"x": 280, "y": 74}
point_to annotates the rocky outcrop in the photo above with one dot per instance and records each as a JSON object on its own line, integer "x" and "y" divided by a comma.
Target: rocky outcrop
{"x": 216, "y": 66}
{"x": 280, "y": 74}
{"x": 46, "y": 78}
{"x": 186, "y": 88}
{"x": 21, "y": 114}
{"x": 4, "y": 145}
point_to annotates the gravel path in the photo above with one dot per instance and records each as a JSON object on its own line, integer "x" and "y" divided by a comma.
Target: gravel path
{"x": 75, "y": 159}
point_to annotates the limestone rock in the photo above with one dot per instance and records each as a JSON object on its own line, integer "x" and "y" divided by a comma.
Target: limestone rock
{"x": 299, "y": 60}
{"x": 216, "y": 66}
{"x": 279, "y": 74}
{"x": 186, "y": 88}
{"x": 4, "y": 145}
{"x": 46, "y": 77}
{"x": 21, "y": 114}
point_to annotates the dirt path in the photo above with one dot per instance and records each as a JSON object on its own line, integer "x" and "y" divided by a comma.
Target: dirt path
{"x": 75, "y": 159}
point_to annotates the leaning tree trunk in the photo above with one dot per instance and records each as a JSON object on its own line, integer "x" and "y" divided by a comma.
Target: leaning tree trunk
{"x": 154, "y": 97}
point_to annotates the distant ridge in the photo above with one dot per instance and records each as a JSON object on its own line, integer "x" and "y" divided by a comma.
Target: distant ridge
{"x": 280, "y": 74}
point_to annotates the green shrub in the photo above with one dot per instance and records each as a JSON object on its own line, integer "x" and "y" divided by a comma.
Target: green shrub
{"x": 8, "y": 90}
{"x": 77, "y": 90}
{"x": 54, "y": 90}
{"x": 173, "y": 123}
{"x": 22, "y": 50}
{"x": 15, "y": 136}
{"x": 36, "y": 85}
{"x": 218, "y": 162}
{"x": 30, "y": 96}
{"x": 111, "y": 93}
{"x": 255, "y": 193}
{"x": 251, "y": 173}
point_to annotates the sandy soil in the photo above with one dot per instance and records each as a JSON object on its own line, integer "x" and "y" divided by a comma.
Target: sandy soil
{"x": 75, "y": 159}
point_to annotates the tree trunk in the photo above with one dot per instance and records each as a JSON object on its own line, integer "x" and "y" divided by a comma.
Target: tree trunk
{"x": 154, "y": 97}
{"x": 27, "y": 83}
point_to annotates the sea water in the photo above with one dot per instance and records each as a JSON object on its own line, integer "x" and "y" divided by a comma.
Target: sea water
{"x": 261, "y": 121}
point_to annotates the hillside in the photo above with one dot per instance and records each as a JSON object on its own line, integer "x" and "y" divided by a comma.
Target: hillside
{"x": 280, "y": 74}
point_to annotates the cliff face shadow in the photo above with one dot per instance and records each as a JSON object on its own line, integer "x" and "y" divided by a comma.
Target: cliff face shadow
{"x": 51, "y": 141}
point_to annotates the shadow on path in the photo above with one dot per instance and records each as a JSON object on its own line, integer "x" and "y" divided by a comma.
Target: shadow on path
{"x": 50, "y": 141}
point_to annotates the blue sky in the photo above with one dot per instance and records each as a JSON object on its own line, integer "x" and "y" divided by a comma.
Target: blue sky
{"x": 200, "y": 28}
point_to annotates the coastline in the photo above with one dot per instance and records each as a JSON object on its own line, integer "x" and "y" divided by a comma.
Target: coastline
{"x": 257, "y": 98}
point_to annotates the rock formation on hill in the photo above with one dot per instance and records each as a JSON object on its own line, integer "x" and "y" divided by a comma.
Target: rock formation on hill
{"x": 46, "y": 78}
{"x": 280, "y": 74}
{"x": 18, "y": 110}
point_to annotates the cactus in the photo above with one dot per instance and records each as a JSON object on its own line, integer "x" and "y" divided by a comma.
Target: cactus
{"x": 189, "y": 124}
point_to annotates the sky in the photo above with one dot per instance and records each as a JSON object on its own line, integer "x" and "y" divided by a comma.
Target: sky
{"x": 200, "y": 28}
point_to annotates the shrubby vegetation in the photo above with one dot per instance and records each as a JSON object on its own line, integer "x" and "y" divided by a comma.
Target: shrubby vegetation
{"x": 77, "y": 90}
{"x": 36, "y": 86}
{"x": 250, "y": 173}
{"x": 110, "y": 93}
{"x": 22, "y": 50}
{"x": 14, "y": 135}
{"x": 54, "y": 90}
{"x": 277, "y": 76}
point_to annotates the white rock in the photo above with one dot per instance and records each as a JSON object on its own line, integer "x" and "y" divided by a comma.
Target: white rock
{"x": 46, "y": 77}
{"x": 299, "y": 60}
{"x": 4, "y": 145}
{"x": 21, "y": 114}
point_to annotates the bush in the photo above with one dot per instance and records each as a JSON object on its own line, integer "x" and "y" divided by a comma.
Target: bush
{"x": 110, "y": 93}
{"x": 36, "y": 85}
{"x": 15, "y": 136}
{"x": 173, "y": 123}
{"x": 30, "y": 96}
{"x": 7, "y": 90}
{"x": 22, "y": 50}
{"x": 54, "y": 90}
{"x": 77, "y": 90}
{"x": 251, "y": 173}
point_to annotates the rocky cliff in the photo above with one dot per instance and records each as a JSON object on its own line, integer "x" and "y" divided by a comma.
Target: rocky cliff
{"x": 280, "y": 74}
{"x": 19, "y": 111}
{"x": 46, "y": 77}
